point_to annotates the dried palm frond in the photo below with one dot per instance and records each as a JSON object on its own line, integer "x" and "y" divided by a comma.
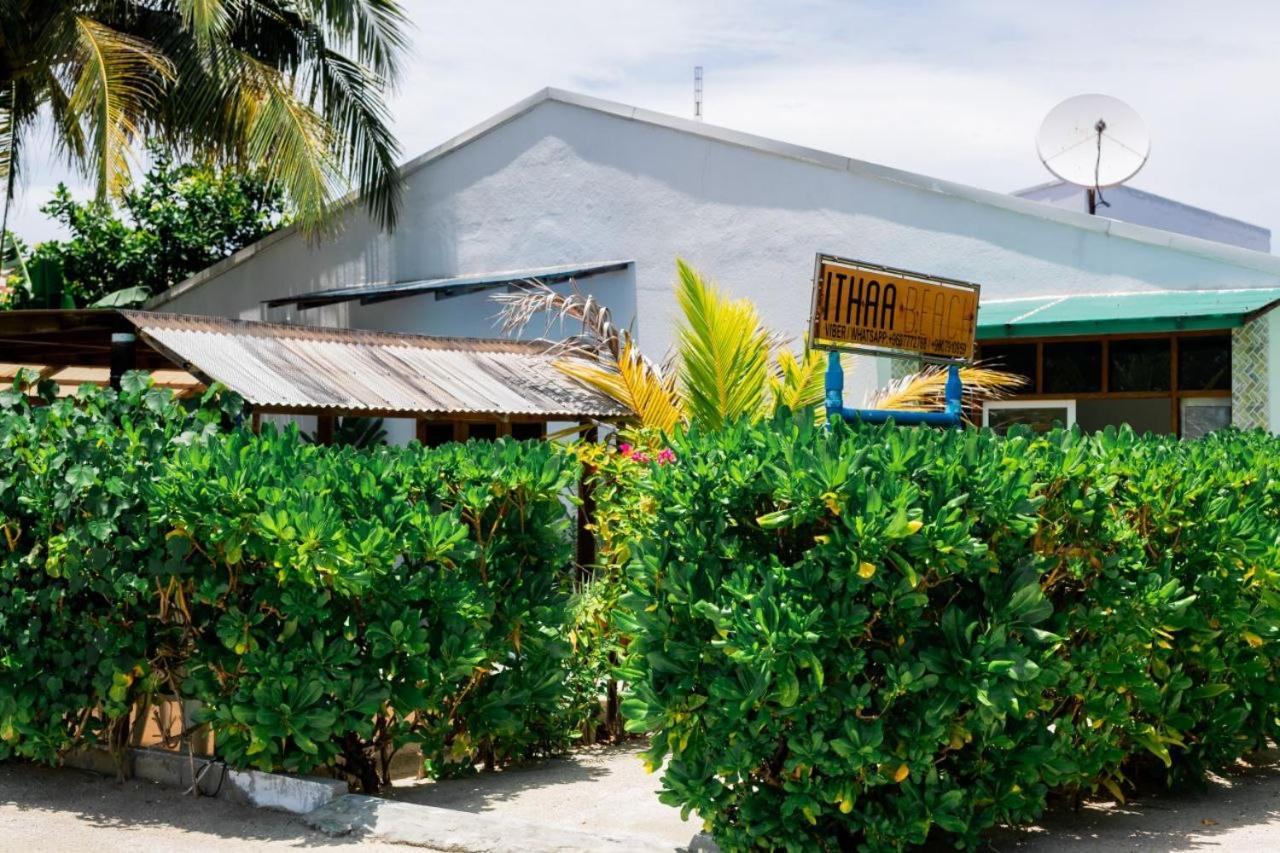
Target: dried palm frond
{"x": 926, "y": 389}
{"x": 599, "y": 334}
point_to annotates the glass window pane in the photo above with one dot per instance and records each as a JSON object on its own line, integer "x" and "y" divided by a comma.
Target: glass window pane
{"x": 1201, "y": 417}
{"x": 1141, "y": 365}
{"x": 1039, "y": 418}
{"x": 482, "y": 432}
{"x": 1144, "y": 414}
{"x": 1014, "y": 358}
{"x": 1204, "y": 363}
{"x": 1073, "y": 367}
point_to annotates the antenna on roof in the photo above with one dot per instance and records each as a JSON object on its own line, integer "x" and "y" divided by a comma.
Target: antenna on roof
{"x": 1093, "y": 141}
{"x": 697, "y": 92}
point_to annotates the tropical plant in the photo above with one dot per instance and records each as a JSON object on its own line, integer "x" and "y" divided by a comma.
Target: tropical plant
{"x": 872, "y": 638}
{"x": 293, "y": 88}
{"x": 726, "y": 365}
{"x": 354, "y": 431}
{"x": 325, "y": 606}
{"x": 177, "y": 220}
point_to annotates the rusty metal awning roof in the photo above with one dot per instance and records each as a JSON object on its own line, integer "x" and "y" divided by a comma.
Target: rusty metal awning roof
{"x": 308, "y": 369}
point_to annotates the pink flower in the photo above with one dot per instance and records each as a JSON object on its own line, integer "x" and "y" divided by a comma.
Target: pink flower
{"x": 666, "y": 455}
{"x": 624, "y": 449}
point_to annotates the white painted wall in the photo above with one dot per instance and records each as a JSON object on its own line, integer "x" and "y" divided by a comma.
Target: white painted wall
{"x": 558, "y": 182}
{"x": 1128, "y": 204}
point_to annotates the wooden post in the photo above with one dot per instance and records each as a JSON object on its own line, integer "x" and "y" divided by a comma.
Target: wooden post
{"x": 123, "y": 356}
{"x": 586, "y": 516}
{"x": 324, "y": 429}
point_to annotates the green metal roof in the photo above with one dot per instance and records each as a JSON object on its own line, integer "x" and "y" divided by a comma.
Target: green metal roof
{"x": 1122, "y": 313}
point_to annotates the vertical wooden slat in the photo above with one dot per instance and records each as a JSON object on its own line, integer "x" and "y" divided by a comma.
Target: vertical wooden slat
{"x": 324, "y": 429}
{"x": 1175, "y": 413}
{"x": 586, "y": 551}
{"x": 1040, "y": 367}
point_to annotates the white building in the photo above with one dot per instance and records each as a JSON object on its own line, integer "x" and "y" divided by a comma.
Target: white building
{"x": 570, "y": 182}
{"x": 1143, "y": 208}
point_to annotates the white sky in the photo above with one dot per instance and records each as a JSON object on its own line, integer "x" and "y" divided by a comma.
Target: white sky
{"x": 952, "y": 89}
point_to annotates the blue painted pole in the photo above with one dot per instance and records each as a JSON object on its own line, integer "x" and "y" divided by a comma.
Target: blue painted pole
{"x": 950, "y": 416}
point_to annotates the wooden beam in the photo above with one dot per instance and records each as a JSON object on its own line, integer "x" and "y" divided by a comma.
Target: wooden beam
{"x": 324, "y": 428}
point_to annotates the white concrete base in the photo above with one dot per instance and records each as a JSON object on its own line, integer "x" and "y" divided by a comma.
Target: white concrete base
{"x": 296, "y": 794}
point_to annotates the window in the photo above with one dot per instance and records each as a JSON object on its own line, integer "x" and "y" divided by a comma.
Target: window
{"x": 1013, "y": 358}
{"x": 482, "y": 432}
{"x": 435, "y": 433}
{"x": 1203, "y": 415}
{"x": 1204, "y": 363}
{"x": 1141, "y": 364}
{"x": 1073, "y": 367}
{"x": 1040, "y": 415}
{"x": 523, "y": 431}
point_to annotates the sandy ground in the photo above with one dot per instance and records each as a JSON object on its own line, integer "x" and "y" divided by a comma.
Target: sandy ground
{"x": 52, "y": 811}
{"x": 64, "y": 810}
{"x": 1239, "y": 811}
{"x": 599, "y": 787}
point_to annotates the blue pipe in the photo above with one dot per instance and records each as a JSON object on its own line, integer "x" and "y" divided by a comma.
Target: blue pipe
{"x": 950, "y": 416}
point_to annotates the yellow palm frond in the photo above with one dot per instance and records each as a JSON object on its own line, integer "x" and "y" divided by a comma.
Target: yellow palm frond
{"x": 926, "y": 389}
{"x": 723, "y": 352}
{"x": 797, "y": 382}
{"x": 116, "y": 80}
{"x": 634, "y": 382}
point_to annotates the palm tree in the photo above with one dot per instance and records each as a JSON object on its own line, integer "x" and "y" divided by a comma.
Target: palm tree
{"x": 727, "y": 365}
{"x": 293, "y": 86}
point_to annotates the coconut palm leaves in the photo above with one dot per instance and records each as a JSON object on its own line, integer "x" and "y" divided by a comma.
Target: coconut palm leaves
{"x": 724, "y": 352}
{"x": 292, "y": 86}
{"x": 632, "y": 381}
{"x": 799, "y": 382}
{"x": 727, "y": 365}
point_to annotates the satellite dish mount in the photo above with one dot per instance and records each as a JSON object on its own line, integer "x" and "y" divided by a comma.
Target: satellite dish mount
{"x": 1093, "y": 141}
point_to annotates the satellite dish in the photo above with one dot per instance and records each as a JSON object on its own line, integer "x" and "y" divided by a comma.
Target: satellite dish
{"x": 1093, "y": 141}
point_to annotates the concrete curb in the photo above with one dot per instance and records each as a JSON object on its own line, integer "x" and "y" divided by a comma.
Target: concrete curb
{"x": 296, "y": 794}
{"x": 454, "y": 830}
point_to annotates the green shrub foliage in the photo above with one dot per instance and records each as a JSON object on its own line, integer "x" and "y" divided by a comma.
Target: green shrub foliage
{"x": 872, "y": 638}
{"x": 325, "y": 606}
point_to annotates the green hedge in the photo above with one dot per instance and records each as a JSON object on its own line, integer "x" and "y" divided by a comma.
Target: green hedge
{"x": 873, "y": 637}
{"x": 326, "y": 606}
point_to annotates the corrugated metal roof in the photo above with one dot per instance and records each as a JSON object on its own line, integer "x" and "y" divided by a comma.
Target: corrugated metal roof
{"x": 1122, "y": 313}
{"x": 446, "y": 286}
{"x": 305, "y": 368}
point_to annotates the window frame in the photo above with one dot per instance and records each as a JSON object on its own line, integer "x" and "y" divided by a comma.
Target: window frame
{"x": 1174, "y": 396}
{"x": 1067, "y": 403}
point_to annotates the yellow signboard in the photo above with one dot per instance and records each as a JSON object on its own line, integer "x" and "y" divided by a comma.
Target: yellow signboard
{"x": 882, "y": 311}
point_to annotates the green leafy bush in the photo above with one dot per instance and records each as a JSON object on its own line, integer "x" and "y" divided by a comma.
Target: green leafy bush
{"x": 873, "y": 637}
{"x": 325, "y": 606}
{"x": 76, "y": 588}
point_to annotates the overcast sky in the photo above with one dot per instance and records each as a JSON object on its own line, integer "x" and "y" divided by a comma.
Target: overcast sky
{"x": 954, "y": 89}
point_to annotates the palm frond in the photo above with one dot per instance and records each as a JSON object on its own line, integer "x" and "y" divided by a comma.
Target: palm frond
{"x": 116, "y": 80}
{"x": 723, "y": 352}
{"x": 633, "y": 382}
{"x": 349, "y": 98}
{"x": 290, "y": 139}
{"x": 599, "y": 335}
{"x": 208, "y": 20}
{"x": 926, "y": 389}
{"x": 376, "y": 30}
{"x": 799, "y": 382}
